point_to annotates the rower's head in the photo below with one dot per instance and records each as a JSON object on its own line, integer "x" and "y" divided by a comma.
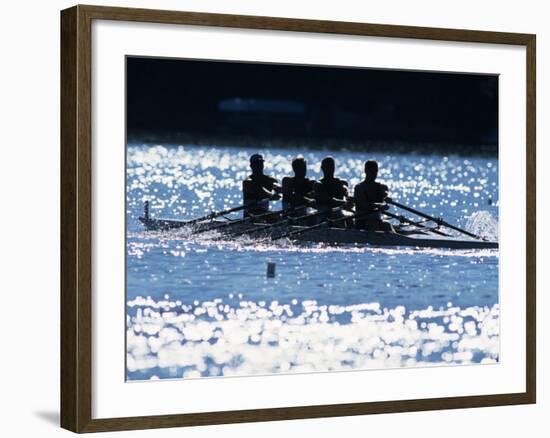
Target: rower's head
{"x": 327, "y": 166}
{"x": 371, "y": 170}
{"x": 299, "y": 166}
{"x": 257, "y": 163}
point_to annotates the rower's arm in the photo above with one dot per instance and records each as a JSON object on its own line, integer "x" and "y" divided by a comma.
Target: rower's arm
{"x": 290, "y": 195}
{"x": 286, "y": 188}
{"x": 372, "y": 203}
{"x": 323, "y": 198}
{"x": 276, "y": 191}
{"x": 380, "y": 206}
{"x": 319, "y": 194}
{"x": 345, "y": 192}
{"x": 287, "y": 191}
{"x": 255, "y": 191}
{"x": 362, "y": 201}
{"x": 350, "y": 203}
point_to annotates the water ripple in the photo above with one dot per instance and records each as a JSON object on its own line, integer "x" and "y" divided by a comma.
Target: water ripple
{"x": 200, "y": 305}
{"x": 170, "y": 339}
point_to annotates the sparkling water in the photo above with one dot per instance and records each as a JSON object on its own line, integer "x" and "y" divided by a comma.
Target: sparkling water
{"x": 201, "y": 305}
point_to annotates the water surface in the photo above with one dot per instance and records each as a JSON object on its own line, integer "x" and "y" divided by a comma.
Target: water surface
{"x": 202, "y": 306}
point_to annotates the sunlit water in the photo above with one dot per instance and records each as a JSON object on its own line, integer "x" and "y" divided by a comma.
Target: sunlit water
{"x": 202, "y": 306}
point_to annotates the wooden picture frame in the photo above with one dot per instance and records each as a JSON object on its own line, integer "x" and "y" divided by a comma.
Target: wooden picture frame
{"x": 76, "y": 217}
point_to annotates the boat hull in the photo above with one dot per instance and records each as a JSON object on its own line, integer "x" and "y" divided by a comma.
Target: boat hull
{"x": 381, "y": 238}
{"x": 327, "y": 235}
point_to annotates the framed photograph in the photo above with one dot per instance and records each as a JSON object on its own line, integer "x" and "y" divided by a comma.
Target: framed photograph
{"x": 269, "y": 218}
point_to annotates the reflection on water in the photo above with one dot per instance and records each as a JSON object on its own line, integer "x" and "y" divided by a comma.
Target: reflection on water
{"x": 212, "y": 338}
{"x": 204, "y": 307}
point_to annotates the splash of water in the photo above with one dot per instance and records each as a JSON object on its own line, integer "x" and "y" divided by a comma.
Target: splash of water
{"x": 482, "y": 223}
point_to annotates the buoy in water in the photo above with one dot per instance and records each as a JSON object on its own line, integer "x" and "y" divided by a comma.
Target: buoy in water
{"x": 270, "y": 269}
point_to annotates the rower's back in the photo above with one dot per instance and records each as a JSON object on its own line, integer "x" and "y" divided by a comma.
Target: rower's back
{"x": 330, "y": 191}
{"x": 369, "y": 197}
{"x": 258, "y": 188}
{"x": 298, "y": 189}
{"x": 367, "y": 194}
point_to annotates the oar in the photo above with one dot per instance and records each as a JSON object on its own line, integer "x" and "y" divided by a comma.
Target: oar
{"x": 438, "y": 221}
{"x": 209, "y": 216}
{"x": 403, "y": 219}
{"x": 215, "y": 214}
{"x": 320, "y": 224}
{"x": 283, "y": 222}
{"x": 230, "y": 223}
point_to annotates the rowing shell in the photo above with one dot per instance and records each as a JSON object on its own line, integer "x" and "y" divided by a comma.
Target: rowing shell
{"x": 330, "y": 235}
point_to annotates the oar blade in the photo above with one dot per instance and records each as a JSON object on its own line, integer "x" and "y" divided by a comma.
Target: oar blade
{"x": 438, "y": 221}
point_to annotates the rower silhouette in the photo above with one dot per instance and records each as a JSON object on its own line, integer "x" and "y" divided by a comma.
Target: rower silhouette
{"x": 298, "y": 189}
{"x": 369, "y": 197}
{"x": 258, "y": 188}
{"x": 330, "y": 191}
